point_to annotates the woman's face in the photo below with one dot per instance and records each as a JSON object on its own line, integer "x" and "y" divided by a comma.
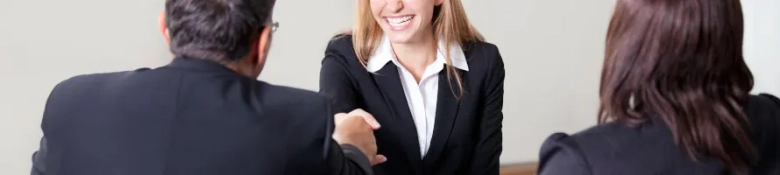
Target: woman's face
{"x": 404, "y": 21}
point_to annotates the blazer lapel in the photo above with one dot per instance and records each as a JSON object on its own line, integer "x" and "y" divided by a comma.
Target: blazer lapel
{"x": 389, "y": 83}
{"x": 447, "y": 106}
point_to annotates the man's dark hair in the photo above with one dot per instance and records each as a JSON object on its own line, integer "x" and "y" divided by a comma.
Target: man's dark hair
{"x": 219, "y": 30}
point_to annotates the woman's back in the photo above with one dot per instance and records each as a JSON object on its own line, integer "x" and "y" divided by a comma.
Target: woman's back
{"x": 615, "y": 148}
{"x": 674, "y": 97}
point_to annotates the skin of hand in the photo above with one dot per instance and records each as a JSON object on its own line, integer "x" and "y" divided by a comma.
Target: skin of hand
{"x": 357, "y": 128}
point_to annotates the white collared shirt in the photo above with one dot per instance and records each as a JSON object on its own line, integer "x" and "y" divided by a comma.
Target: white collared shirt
{"x": 420, "y": 97}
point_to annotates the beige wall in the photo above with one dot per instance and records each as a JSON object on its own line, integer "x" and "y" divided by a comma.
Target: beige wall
{"x": 552, "y": 51}
{"x": 762, "y": 43}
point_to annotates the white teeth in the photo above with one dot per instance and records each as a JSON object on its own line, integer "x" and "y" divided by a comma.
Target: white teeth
{"x": 399, "y": 21}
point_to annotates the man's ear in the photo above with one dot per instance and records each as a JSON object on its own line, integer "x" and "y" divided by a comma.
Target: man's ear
{"x": 263, "y": 43}
{"x": 163, "y": 27}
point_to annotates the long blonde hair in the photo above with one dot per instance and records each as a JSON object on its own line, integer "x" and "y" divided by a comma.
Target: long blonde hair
{"x": 450, "y": 24}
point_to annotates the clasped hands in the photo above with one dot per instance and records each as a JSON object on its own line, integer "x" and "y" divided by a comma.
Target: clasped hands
{"x": 357, "y": 129}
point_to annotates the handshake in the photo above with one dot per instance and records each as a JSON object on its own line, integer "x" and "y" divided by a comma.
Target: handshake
{"x": 356, "y": 128}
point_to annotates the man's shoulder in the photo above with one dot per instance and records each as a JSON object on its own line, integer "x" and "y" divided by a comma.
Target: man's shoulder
{"x": 85, "y": 90}
{"x": 279, "y": 95}
{"x": 93, "y": 80}
{"x": 288, "y": 92}
{"x": 290, "y": 106}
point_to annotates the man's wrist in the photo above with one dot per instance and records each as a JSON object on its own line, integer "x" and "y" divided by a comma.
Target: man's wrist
{"x": 352, "y": 147}
{"x": 356, "y": 154}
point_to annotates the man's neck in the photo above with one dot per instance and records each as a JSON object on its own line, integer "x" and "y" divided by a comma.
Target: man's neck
{"x": 243, "y": 67}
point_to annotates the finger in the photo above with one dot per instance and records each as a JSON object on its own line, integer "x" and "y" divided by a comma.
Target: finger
{"x": 338, "y": 118}
{"x": 378, "y": 159}
{"x": 366, "y": 116}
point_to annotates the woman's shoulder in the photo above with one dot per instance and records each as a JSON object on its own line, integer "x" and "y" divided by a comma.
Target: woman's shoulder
{"x": 488, "y": 51}
{"x": 483, "y": 57}
{"x": 340, "y": 49}
{"x": 765, "y": 103}
{"x": 562, "y": 142}
{"x": 559, "y": 142}
{"x": 599, "y": 148}
{"x": 585, "y": 139}
{"x": 340, "y": 43}
{"x": 480, "y": 46}
{"x": 561, "y": 154}
{"x": 598, "y": 142}
{"x": 763, "y": 112}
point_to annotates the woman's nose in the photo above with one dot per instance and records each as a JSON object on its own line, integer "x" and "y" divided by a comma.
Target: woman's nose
{"x": 395, "y": 5}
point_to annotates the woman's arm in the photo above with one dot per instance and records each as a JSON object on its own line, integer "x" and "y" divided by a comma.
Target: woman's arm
{"x": 489, "y": 145}
{"x": 336, "y": 84}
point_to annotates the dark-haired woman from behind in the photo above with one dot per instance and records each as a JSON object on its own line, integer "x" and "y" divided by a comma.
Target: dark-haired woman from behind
{"x": 674, "y": 98}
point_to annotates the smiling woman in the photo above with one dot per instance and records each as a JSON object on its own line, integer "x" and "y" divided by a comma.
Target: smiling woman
{"x": 429, "y": 78}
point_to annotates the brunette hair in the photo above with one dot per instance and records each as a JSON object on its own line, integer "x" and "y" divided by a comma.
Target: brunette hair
{"x": 681, "y": 61}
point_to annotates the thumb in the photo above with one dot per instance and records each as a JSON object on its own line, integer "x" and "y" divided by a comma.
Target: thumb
{"x": 378, "y": 159}
{"x": 368, "y": 117}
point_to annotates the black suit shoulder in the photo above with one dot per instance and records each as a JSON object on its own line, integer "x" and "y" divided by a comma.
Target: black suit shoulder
{"x": 94, "y": 79}
{"x": 484, "y": 58}
{"x": 341, "y": 50}
{"x": 763, "y": 109}
{"x": 482, "y": 47}
{"x": 566, "y": 150}
{"x": 617, "y": 148}
{"x": 302, "y": 107}
{"x": 86, "y": 84}
{"x": 286, "y": 96}
{"x": 763, "y": 112}
{"x": 269, "y": 94}
{"x": 759, "y": 110}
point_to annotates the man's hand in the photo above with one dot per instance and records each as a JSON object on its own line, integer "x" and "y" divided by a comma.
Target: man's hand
{"x": 357, "y": 129}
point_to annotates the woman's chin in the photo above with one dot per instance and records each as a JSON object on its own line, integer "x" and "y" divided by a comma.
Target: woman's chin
{"x": 399, "y": 38}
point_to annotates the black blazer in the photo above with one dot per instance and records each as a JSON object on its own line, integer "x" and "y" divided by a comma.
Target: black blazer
{"x": 467, "y": 131}
{"x": 192, "y": 117}
{"x": 614, "y": 148}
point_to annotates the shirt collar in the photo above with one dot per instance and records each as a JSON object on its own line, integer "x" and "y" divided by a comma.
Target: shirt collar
{"x": 384, "y": 53}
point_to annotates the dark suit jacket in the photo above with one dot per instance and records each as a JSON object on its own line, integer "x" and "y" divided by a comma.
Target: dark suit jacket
{"x": 615, "y": 149}
{"x": 467, "y": 131}
{"x": 192, "y": 117}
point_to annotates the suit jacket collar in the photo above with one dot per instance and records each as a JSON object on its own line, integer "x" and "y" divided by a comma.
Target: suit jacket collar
{"x": 384, "y": 53}
{"x": 198, "y": 64}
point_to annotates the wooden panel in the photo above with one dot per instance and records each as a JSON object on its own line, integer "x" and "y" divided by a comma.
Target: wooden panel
{"x": 519, "y": 169}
